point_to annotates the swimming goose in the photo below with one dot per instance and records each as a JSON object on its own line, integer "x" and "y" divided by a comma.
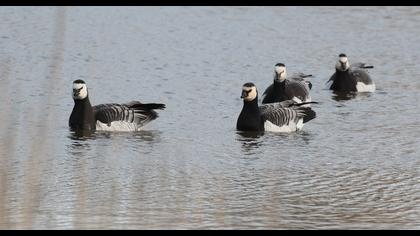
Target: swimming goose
{"x": 353, "y": 77}
{"x": 130, "y": 116}
{"x": 295, "y": 87}
{"x": 286, "y": 116}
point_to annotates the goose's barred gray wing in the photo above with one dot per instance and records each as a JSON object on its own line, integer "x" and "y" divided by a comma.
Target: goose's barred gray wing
{"x": 361, "y": 65}
{"x": 282, "y": 104}
{"x": 280, "y": 116}
{"x": 300, "y": 77}
{"x": 290, "y": 103}
{"x": 282, "y": 113}
{"x": 132, "y": 112}
{"x": 361, "y": 75}
{"x": 332, "y": 78}
{"x": 297, "y": 89}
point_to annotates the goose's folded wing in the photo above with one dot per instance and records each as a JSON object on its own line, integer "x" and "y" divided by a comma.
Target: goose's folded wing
{"x": 361, "y": 75}
{"x": 285, "y": 103}
{"x": 133, "y": 112}
{"x": 299, "y": 76}
{"x": 298, "y": 88}
{"x": 332, "y": 78}
{"x": 361, "y": 65}
{"x": 279, "y": 115}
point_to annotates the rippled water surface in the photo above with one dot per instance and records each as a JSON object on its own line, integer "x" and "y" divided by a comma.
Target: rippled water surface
{"x": 356, "y": 166}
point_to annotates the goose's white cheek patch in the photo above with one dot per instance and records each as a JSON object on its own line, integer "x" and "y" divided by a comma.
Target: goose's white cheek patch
{"x": 82, "y": 91}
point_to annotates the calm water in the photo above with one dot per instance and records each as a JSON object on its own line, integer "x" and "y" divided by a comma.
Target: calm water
{"x": 356, "y": 166}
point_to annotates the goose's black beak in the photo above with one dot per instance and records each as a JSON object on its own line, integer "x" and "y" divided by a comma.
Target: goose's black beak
{"x": 277, "y": 76}
{"x": 343, "y": 65}
{"x": 244, "y": 94}
{"x": 76, "y": 92}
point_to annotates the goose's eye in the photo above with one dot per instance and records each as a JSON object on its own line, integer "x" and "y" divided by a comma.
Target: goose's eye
{"x": 77, "y": 90}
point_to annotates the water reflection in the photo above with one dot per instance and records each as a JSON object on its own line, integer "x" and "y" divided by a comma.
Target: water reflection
{"x": 135, "y": 142}
{"x": 81, "y": 134}
{"x": 150, "y": 136}
{"x": 79, "y": 144}
{"x": 304, "y": 135}
{"x": 249, "y": 134}
{"x": 250, "y": 141}
{"x": 344, "y": 96}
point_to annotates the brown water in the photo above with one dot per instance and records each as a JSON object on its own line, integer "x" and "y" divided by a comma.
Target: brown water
{"x": 356, "y": 166}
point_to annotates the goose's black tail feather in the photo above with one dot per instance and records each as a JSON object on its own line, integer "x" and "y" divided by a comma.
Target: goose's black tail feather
{"x": 145, "y": 106}
{"x": 152, "y": 106}
{"x": 302, "y": 103}
{"x": 309, "y": 85}
{"x": 305, "y": 76}
{"x": 309, "y": 114}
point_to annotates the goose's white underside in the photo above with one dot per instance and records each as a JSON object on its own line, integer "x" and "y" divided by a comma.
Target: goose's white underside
{"x": 117, "y": 126}
{"x": 361, "y": 87}
{"x": 292, "y": 127}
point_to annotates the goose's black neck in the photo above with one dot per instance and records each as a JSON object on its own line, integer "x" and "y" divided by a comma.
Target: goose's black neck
{"x": 83, "y": 102}
{"x": 82, "y": 116}
{"x": 252, "y": 105}
{"x": 344, "y": 81}
{"x": 279, "y": 89}
{"x": 279, "y": 84}
{"x": 250, "y": 117}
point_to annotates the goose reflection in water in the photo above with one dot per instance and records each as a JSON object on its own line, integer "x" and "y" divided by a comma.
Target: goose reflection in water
{"x": 344, "y": 96}
{"x": 250, "y": 141}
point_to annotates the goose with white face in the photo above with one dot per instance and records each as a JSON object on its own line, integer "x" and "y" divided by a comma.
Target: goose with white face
{"x": 343, "y": 63}
{"x": 79, "y": 90}
{"x": 249, "y": 92}
{"x": 280, "y": 72}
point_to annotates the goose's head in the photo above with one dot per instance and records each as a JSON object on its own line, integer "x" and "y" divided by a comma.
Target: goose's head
{"x": 249, "y": 92}
{"x": 343, "y": 63}
{"x": 79, "y": 90}
{"x": 280, "y": 72}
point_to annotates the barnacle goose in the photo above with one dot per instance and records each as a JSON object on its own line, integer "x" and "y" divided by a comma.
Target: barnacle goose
{"x": 130, "y": 116}
{"x": 286, "y": 116}
{"x": 295, "y": 87}
{"x": 353, "y": 77}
